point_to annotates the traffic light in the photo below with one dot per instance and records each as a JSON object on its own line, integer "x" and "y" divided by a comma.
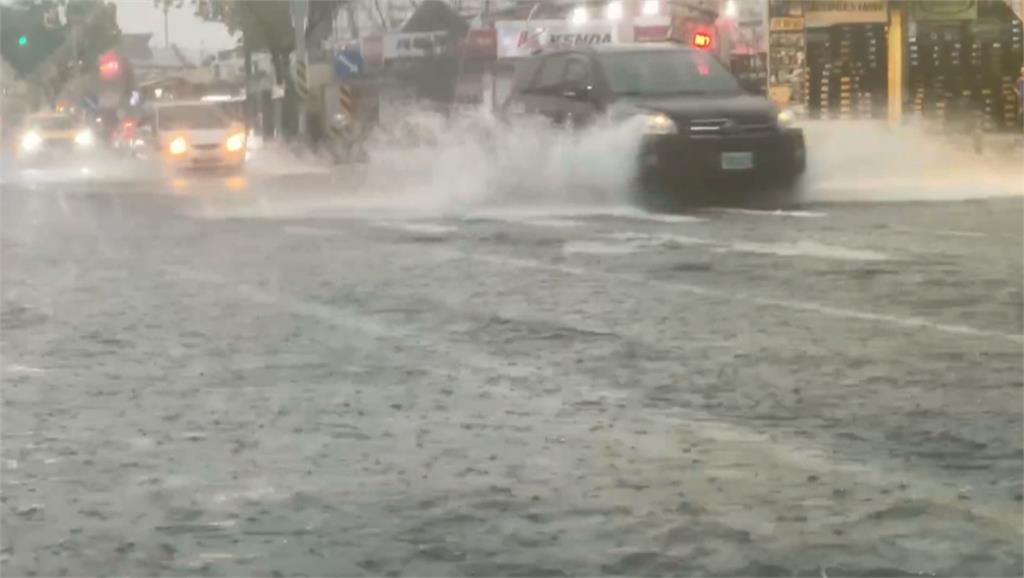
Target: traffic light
{"x": 23, "y": 40}
{"x": 110, "y": 65}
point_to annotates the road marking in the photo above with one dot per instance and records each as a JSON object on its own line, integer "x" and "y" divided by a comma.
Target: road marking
{"x": 805, "y": 249}
{"x": 554, "y": 214}
{"x": 598, "y": 248}
{"x": 808, "y": 307}
{"x": 412, "y": 227}
{"x": 25, "y": 369}
{"x": 312, "y": 231}
{"x": 798, "y": 249}
{"x": 557, "y": 223}
{"x": 775, "y": 213}
{"x": 940, "y": 232}
{"x": 825, "y": 310}
{"x": 773, "y": 447}
{"x": 659, "y": 240}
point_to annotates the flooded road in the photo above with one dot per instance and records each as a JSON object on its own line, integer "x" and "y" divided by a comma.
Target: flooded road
{"x": 259, "y": 378}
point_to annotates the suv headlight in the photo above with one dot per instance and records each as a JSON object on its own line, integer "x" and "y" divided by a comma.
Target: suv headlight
{"x": 659, "y": 124}
{"x": 235, "y": 142}
{"x": 84, "y": 138}
{"x": 786, "y": 118}
{"x": 31, "y": 140}
{"x": 178, "y": 146}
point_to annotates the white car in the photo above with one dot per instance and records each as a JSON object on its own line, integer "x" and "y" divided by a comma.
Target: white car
{"x": 195, "y": 134}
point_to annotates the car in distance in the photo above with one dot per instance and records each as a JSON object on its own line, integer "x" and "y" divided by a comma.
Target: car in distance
{"x": 193, "y": 134}
{"x": 53, "y": 135}
{"x": 705, "y": 138}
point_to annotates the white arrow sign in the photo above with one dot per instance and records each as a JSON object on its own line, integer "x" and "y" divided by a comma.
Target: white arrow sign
{"x": 348, "y": 63}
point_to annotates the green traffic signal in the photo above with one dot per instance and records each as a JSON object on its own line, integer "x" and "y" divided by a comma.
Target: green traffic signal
{"x": 22, "y": 40}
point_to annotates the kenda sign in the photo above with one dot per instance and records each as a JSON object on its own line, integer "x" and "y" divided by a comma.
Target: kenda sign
{"x": 520, "y": 38}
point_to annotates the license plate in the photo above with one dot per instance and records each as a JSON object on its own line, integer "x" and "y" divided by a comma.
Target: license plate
{"x": 737, "y": 161}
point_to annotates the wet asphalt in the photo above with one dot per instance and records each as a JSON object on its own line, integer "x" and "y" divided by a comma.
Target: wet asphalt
{"x": 232, "y": 376}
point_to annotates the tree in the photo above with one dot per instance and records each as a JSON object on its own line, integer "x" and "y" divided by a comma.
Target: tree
{"x": 266, "y": 25}
{"x": 48, "y": 51}
{"x": 25, "y": 39}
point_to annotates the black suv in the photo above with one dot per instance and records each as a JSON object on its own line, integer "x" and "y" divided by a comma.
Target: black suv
{"x": 703, "y": 133}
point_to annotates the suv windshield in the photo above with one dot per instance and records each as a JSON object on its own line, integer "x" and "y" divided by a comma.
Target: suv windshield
{"x": 666, "y": 72}
{"x": 191, "y": 117}
{"x": 53, "y": 122}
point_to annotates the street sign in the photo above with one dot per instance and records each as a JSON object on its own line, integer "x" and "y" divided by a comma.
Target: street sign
{"x": 348, "y": 63}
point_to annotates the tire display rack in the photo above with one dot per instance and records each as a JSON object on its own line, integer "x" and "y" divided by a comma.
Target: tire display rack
{"x": 962, "y": 74}
{"x": 847, "y": 72}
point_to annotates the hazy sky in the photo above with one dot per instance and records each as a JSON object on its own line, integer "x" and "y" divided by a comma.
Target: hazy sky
{"x": 186, "y": 30}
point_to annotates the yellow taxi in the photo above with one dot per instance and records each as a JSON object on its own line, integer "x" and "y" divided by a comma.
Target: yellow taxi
{"x": 53, "y": 133}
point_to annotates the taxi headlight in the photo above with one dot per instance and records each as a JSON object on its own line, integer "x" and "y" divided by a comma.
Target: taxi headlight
{"x": 178, "y": 146}
{"x": 31, "y": 140}
{"x": 84, "y": 138}
{"x": 786, "y": 118}
{"x": 235, "y": 142}
{"x": 659, "y": 124}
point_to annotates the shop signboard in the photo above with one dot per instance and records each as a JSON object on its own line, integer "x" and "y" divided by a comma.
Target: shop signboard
{"x": 651, "y": 33}
{"x": 787, "y": 24}
{"x": 821, "y": 13}
{"x": 414, "y": 44}
{"x": 944, "y": 11}
{"x": 520, "y": 38}
{"x": 651, "y": 28}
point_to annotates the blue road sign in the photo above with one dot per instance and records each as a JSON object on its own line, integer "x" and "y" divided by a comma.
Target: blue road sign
{"x": 348, "y": 63}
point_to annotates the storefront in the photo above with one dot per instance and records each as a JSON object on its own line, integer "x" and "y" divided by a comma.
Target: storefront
{"x": 831, "y": 59}
{"x": 828, "y": 58}
{"x": 963, "y": 59}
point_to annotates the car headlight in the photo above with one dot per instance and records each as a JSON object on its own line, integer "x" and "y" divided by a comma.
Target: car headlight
{"x": 178, "y": 146}
{"x": 658, "y": 124}
{"x": 84, "y": 138}
{"x": 31, "y": 140}
{"x": 235, "y": 142}
{"x": 786, "y": 118}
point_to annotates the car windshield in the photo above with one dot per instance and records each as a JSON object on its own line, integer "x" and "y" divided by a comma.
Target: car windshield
{"x": 666, "y": 72}
{"x": 192, "y": 117}
{"x": 53, "y": 122}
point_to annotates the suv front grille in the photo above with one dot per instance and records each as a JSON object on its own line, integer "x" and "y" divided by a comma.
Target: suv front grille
{"x": 723, "y": 126}
{"x": 206, "y": 147}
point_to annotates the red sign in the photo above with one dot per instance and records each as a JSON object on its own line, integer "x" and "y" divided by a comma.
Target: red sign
{"x": 373, "y": 50}
{"x": 481, "y": 44}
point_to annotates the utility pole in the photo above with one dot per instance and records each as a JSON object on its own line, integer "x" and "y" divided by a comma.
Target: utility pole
{"x": 896, "y": 60}
{"x": 300, "y": 17}
{"x": 167, "y": 41}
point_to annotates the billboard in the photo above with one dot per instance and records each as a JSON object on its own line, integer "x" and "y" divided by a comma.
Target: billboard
{"x": 821, "y": 13}
{"x": 518, "y": 38}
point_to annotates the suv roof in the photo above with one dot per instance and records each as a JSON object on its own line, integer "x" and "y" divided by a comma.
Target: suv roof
{"x": 170, "y": 103}
{"x": 626, "y": 48}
